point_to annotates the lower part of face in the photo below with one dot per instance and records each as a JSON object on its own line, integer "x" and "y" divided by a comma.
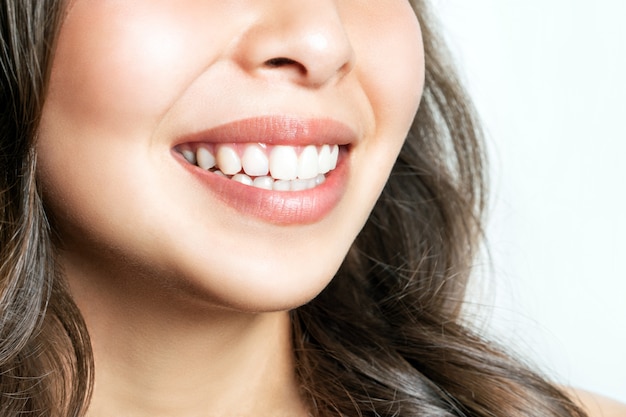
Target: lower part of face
{"x": 156, "y": 109}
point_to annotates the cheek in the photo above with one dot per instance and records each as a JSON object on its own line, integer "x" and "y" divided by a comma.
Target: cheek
{"x": 391, "y": 60}
{"x": 116, "y": 64}
{"x": 391, "y": 70}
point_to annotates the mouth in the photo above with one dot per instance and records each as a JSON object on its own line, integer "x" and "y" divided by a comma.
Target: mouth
{"x": 264, "y": 166}
{"x": 280, "y": 169}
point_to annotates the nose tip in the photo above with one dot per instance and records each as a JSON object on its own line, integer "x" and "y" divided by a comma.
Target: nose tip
{"x": 305, "y": 45}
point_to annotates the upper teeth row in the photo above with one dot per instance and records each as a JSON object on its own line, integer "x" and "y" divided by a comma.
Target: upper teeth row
{"x": 256, "y": 160}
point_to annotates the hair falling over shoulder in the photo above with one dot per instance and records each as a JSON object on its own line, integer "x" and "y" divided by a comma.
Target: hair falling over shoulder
{"x": 45, "y": 357}
{"x": 384, "y": 339}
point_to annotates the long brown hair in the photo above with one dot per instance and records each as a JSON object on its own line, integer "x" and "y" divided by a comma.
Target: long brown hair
{"x": 384, "y": 339}
{"x": 45, "y": 358}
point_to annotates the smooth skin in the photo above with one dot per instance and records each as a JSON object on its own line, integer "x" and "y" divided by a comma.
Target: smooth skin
{"x": 185, "y": 298}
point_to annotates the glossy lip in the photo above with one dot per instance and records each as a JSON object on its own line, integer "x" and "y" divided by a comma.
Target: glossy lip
{"x": 273, "y": 130}
{"x": 279, "y": 207}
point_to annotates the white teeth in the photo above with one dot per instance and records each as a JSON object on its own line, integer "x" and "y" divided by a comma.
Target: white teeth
{"x": 189, "y": 155}
{"x": 282, "y": 185}
{"x": 265, "y": 183}
{"x": 205, "y": 158}
{"x": 283, "y": 170}
{"x": 298, "y": 185}
{"x": 324, "y": 159}
{"x": 228, "y": 160}
{"x": 268, "y": 183}
{"x": 307, "y": 163}
{"x": 242, "y": 178}
{"x": 254, "y": 161}
{"x": 334, "y": 156}
{"x": 284, "y": 163}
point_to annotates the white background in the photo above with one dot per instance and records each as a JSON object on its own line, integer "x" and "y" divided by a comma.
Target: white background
{"x": 548, "y": 78}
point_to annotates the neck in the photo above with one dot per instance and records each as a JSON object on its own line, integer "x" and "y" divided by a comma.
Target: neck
{"x": 156, "y": 356}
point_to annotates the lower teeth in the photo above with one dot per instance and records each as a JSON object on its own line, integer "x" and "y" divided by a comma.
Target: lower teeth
{"x": 269, "y": 183}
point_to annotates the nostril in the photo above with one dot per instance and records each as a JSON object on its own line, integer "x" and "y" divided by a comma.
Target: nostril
{"x": 280, "y": 62}
{"x": 285, "y": 64}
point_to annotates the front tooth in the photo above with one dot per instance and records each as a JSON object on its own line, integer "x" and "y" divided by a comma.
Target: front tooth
{"x": 299, "y": 184}
{"x": 242, "y": 178}
{"x": 311, "y": 183}
{"x": 324, "y": 159}
{"x": 284, "y": 163}
{"x": 281, "y": 185}
{"x": 334, "y": 155}
{"x": 228, "y": 160}
{"x": 265, "y": 183}
{"x": 254, "y": 161}
{"x": 308, "y": 163}
{"x": 205, "y": 158}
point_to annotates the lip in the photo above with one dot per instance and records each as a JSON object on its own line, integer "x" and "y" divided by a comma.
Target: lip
{"x": 278, "y": 207}
{"x": 273, "y": 130}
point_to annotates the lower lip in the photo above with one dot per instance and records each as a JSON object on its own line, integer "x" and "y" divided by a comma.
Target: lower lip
{"x": 279, "y": 207}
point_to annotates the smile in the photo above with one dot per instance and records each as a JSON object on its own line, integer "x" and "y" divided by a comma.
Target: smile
{"x": 268, "y": 167}
{"x": 279, "y": 169}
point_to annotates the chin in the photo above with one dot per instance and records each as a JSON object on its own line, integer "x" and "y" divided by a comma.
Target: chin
{"x": 276, "y": 286}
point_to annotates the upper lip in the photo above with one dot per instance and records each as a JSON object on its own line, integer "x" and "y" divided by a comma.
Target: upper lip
{"x": 276, "y": 130}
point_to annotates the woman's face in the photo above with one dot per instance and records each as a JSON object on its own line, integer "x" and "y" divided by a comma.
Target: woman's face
{"x": 149, "y": 99}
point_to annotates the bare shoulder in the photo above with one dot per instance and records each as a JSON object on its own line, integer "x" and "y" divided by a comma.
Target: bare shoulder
{"x": 597, "y": 405}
